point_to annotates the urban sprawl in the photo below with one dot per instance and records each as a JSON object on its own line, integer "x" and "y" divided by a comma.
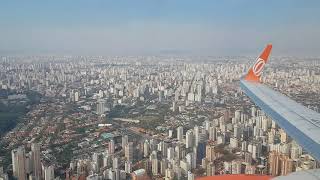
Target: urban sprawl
{"x": 146, "y": 117}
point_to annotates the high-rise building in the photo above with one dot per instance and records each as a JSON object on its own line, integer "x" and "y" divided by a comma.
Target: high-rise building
{"x": 237, "y": 116}
{"x": 250, "y": 169}
{"x": 191, "y": 160}
{"x": 236, "y": 167}
{"x": 286, "y": 165}
{"x": 280, "y": 164}
{"x": 35, "y": 149}
{"x": 106, "y": 160}
{"x": 180, "y": 134}
{"x": 169, "y": 174}
{"x": 234, "y": 143}
{"x": 202, "y": 137}
{"x": 226, "y": 116}
{"x": 115, "y": 163}
{"x": 3, "y": 175}
{"x": 49, "y": 173}
{"x": 163, "y": 166}
{"x": 129, "y": 152}
{"x": 170, "y": 153}
{"x": 18, "y": 163}
{"x": 101, "y": 106}
{"x": 189, "y": 139}
{"x": 124, "y": 141}
{"x": 211, "y": 169}
{"x": 82, "y": 167}
{"x": 29, "y": 163}
{"x": 221, "y": 139}
{"x": 174, "y": 106}
{"x": 111, "y": 147}
{"x": 177, "y": 152}
{"x": 274, "y": 163}
{"x": 207, "y": 125}
{"x": 190, "y": 175}
{"x": 139, "y": 174}
{"x": 271, "y": 137}
{"x": 128, "y": 166}
{"x": 76, "y": 96}
{"x": 196, "y": 135}
{"x": 165, "y": 146}
{"x": 283, "y": 136}
{"x": 155, "y": 167}
{"x": 204, "y": 163}
{"x": 253, "y": 111}
{"x": 237, "y": 131}
{"x": 248, "y": 157}
{"x": 210, "y": 153}
{"x": 200, "y": 152}
{"x": 212, "y": 133}
{"x": 146, "y": 148}
{"x": 170, "y": 133}
{"x": 295, "y": 152}
{"x": 161, "y": 96}
{"x": 97, "y": 158}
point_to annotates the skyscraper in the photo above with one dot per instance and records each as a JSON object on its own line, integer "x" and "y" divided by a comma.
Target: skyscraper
{"x": 191, "y": 160}
{"x": 100, "y": 106}
{"x": 196, "y": 135}
{"x": 189, "y": 139}
{"x": 274, "y": 163}
{"x": 210, "y": 169}
{"x": 49, "y": 173}
{"x": 97, "y": 158}
{"x": 115, "y": 163}
{"x": 129, "y": 152}
{"x": 212, "y": 133}
{"x": 18, "y": 163}
{"x": 283, "y": 136}
{"x": 124, "y": 141}
{"x": 76, "y": 96}
{"x": 128, "y": 167}
{"x": 146, "y": 148}
{"x": 170, "y": 153}
{"x": 111, "y": 147}
{"x": 280, "y": 164}
{"x": 155, "y": 166}
{"x": 35, "y": 149}
{"x": 190, "y": 175}
{"x": 210, "y": 153}
{"x": 286, "y": 165}
{"x": 237, "y": 116}
{"x": 180, "y": 134}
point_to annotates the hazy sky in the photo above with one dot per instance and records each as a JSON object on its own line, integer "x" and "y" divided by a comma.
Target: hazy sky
{"x": 140, "y": 27}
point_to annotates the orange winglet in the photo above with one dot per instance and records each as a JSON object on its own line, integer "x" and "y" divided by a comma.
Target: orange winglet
{"x": 255, "y": 71}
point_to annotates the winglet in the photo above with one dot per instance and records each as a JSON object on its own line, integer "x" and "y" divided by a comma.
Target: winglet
{"x": 256, "y": 70}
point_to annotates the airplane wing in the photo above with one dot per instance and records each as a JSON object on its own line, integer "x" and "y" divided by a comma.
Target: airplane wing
{"x": 312, "y": 174}
{"x": 300, "y": 123}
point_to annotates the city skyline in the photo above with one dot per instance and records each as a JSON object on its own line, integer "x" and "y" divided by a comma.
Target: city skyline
{"x": 159, "y": 89}
{"x": 170, "y": 118}
{"x": 158, "y": 27}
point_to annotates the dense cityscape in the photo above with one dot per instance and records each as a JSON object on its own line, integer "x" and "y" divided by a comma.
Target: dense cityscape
{"x": 146, "y": 117}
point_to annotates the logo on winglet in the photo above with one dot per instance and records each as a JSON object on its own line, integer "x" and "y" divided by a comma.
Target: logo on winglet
{"x": 258, "y": 67}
